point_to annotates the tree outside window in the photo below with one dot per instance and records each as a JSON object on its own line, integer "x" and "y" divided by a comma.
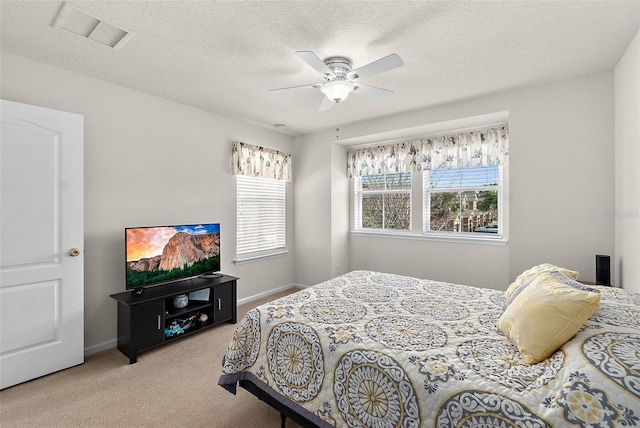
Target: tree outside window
{"x": 383, "y": 202}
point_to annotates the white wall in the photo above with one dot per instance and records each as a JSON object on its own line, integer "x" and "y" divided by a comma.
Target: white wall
{"x": 148, "y": 161}
{"x": 561, "y": 186}
{"x": 340, "y": 259}
{"x": 562, "y": 133}
{"x": 627, "y": 168}
{"x": 322, "y": 217}
{"x": 312, "y": 206}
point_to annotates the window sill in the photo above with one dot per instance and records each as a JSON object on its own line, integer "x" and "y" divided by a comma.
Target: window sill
{"x": 258, "y": 257}
{"x": 482, "y": 240}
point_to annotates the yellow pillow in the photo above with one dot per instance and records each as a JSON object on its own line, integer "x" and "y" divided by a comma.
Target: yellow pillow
{"x": 546, "y": 313}
{"x": 535, "y": 271}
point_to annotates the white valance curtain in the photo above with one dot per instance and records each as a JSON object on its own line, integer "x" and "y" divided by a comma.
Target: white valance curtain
{"x": 461, "y": 150}
{"x": 256, "y": 161}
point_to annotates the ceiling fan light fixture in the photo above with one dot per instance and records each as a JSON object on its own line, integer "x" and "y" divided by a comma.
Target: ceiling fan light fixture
{"x": 337, "y": 90}
{"x": 341, "y": 80}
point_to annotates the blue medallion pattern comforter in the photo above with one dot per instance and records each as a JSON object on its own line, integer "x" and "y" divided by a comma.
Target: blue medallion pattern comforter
{"x": 371, "y": 349}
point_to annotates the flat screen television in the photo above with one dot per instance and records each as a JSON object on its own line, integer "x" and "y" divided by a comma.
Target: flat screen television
{"x": 161, "y": 254}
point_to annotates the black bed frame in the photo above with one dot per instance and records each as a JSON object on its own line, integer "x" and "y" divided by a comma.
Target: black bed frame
{"x": 285, "y": 412}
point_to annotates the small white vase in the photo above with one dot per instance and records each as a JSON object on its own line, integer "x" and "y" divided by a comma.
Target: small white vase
{"x": 180, "y": 301}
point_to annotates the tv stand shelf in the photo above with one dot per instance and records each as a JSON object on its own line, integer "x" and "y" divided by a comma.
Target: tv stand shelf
{"x": 150, "y": 319}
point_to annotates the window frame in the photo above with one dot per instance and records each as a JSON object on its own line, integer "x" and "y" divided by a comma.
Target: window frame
{"x": 427, "y": 190}
{"x": 416, "y": 231}
{"x": 359, "y": 192}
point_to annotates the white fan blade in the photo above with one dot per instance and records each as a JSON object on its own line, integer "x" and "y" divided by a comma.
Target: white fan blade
{"x": 372, "y": 91}
{"x": 314, "y": 61}
{"x": 387, "y": 63}
{"x": 326, "y": 104}
{"x": 313, "y": 85}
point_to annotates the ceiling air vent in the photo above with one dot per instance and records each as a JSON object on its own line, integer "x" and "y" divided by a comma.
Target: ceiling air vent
{"x": 85, "y": 25}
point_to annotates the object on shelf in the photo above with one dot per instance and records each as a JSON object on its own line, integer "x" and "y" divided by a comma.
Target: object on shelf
{"x": 203, "y": 318}
{"x": 188, "y": 323}
{"x": 181, "y": 326}
{"x": 200, "y": 295}
{"x": 173, "y": 330}
{"x": 180, "y": 301}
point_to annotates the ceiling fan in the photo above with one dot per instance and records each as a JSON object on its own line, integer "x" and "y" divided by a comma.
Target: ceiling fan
{"x": 341, "y": 80}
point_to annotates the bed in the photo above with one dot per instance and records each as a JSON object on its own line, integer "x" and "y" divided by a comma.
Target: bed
{"x": 372, "y": 349}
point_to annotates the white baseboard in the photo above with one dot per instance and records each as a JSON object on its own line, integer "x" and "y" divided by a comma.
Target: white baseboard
{"x": 100, "y": 347}
{"x": 259, "y": 296}
{"x": 109, "y": 344}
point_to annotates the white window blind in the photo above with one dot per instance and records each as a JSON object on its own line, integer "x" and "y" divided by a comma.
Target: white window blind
{"x": 477, "y": 176}
{"x": 261, "y": 222}
{"x": 463, "y": 201}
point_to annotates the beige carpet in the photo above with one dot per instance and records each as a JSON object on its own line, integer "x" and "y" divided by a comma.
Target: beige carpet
{"x": 174, "y": 385}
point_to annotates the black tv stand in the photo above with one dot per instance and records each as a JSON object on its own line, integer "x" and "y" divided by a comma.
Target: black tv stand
{"x": 147, "y": 319}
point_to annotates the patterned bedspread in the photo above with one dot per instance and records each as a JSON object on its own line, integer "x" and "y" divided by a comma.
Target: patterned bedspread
{"x": 371, "y": 349}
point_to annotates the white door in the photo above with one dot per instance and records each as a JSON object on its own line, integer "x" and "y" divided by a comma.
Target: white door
{"x": 41, "y": 235}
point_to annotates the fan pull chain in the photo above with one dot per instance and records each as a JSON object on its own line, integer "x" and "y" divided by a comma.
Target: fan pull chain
{"x": 337, "y": 125}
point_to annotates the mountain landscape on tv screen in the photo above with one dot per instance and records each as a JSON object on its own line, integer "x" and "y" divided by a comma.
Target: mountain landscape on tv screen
{"x": 184, "y": 255}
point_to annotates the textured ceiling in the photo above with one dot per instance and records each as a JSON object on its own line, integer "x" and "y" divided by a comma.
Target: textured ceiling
{"x": 224, "y": 56}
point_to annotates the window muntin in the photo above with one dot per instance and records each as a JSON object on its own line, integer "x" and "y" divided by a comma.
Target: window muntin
{"x": 463, "y": 201}
{"x": 382, "y": 202}
{"x": 261, "y": 217}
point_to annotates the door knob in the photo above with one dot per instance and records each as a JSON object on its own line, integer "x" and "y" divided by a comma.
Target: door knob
{"x": 74, "y": 252}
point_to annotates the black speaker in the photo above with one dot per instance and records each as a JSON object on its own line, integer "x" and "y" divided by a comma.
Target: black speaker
{"x": 603, "y": 270}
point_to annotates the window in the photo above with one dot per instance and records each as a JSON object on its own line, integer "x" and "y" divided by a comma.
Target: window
{"x": 458, "y": 197}
{"x": 383, "y": 202}
{"x": 463, "y": 201}
{"x": 261, "y": 217}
